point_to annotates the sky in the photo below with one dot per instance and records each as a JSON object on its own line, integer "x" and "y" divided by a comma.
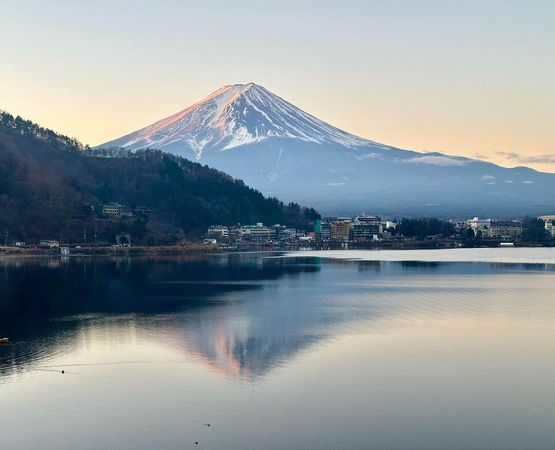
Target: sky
{"x": 473, "y": 78}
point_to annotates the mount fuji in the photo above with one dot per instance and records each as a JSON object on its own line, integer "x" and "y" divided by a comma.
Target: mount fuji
{"x": 255, "y": 135}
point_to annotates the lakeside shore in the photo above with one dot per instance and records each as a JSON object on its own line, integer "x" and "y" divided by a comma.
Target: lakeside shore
{"x": 191, "y": 248}
{"x": 177, "y": 249}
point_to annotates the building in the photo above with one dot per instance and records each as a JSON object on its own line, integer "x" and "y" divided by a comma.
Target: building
{"x": 218, "y": 232}
{"x": 340, "y": 229}
{"x": 257, "y": 232}
{"x": 116, "y": 210}
{"x": 282, "y": 233}
{"x": 549, "y": 224}
{"x": 112, "y": 209}
{"x": 390, "y": 225}
{"x": 505, "y": 230}
{"x": 126, "y": 211}
{"x": 479, "y": 226}
{"x": 366, "y": 228}
{"x": 322, "y": 230}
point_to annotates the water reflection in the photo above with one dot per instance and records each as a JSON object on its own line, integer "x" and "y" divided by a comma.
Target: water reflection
{"x": 276, "y": 353}
{"x": 239, "y": 315}
{"x": 46, "y": 303}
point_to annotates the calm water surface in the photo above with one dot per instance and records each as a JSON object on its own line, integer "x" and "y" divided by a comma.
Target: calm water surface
{"x": 276, "y": 353}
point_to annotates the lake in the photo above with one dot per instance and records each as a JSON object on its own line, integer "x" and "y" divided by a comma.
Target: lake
{"x": 329, "y": 350}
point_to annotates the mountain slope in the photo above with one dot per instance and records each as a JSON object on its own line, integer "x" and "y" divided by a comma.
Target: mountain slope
{"x": 254, "y": 135}
{"x": 49, "y": 182}
{"x": 232, "y": 116}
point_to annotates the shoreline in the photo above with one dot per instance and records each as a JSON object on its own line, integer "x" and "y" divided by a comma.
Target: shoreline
{"x": 194, "y": 249}
{"x": 499, "y": 255}
{"x": 179, "y": 249}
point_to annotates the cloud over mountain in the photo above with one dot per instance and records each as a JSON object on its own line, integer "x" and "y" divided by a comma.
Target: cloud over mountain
{"x": 525, "y": 159}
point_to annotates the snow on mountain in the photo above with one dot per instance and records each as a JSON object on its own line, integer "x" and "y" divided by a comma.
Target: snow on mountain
{"x": 232, "y": 116}
{"x": 255, "y": 135}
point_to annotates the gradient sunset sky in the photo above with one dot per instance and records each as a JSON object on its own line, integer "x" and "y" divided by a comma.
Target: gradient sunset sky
{"x": 474, "y": 78}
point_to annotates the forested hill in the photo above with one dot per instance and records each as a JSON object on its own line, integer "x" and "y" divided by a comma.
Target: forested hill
{"x": 52, "y": 187}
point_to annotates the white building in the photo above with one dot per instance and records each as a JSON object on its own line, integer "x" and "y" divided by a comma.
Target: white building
{"x": 479, "y": 225}
{"x": 505, "y": 230}
{"x": 257, "y": 232}
{"x": 549, "y": 224}
{"x": 390, "y": 224}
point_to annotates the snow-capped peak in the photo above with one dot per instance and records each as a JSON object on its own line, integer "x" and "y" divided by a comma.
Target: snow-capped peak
{"x": 236, "y": 115}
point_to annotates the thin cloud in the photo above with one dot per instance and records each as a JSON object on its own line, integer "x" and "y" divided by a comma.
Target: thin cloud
{"x": 442, "y": 161}
{"x": 518, "y": 158}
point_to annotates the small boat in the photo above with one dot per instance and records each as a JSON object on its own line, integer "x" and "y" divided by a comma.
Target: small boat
{"x": 4, "y": 341}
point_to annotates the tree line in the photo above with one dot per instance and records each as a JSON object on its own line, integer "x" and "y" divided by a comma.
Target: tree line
{"x": 52, "y": 186}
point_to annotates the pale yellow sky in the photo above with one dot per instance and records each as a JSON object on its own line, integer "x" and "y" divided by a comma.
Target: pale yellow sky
{"x": 469, "y": 78}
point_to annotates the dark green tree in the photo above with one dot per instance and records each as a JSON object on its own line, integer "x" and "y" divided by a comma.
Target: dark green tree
{"x": 534, "y": 229}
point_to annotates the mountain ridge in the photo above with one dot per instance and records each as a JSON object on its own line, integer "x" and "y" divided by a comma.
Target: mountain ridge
{"x": 255, "y": 135}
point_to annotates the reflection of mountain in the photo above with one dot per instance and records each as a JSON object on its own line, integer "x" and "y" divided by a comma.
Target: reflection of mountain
{"x": 44, "y": 303}
{"x": 239, "y": 315}
{"x": 249, "y": 340}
